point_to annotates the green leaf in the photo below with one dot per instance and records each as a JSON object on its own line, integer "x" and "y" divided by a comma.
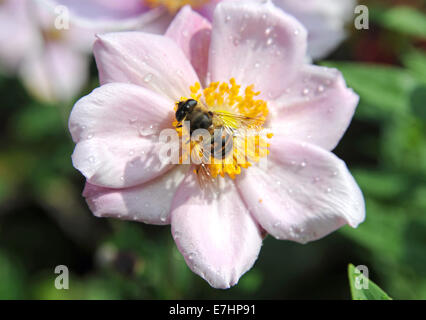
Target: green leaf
{"x": 415, "y": 61}
{"x": 368, "y": 289}
{"x": 402, "y": 19}
{"x": 384, "y": 90}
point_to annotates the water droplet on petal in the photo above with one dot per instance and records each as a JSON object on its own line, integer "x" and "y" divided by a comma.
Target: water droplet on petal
{"x": 148, "y": 77}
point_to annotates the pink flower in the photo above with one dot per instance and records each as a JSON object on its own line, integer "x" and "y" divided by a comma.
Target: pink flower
{"x": 325, "y": 21}
{"x": 53, "y": 64}
{"x": 305, "y": 192}
{"x": 147, "y": 15}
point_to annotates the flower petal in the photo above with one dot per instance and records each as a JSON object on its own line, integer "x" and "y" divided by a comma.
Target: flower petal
{"x": 112, "y": 15}
{"x": 55, "y": 72}
{"x": 14, "y": 46}
{"x": 256, "y": 44}
{"x": 148, "y": 203}
{"x": 215, "y": 233}
{"x": 192, "y": 33}
{"x": 318, "y": 97}
{"x": 151, "y": 61}
{"x": 325, "y": 21}
{"x": 304, "y": 194}
{"x": 207, "y": 9}
{"x": 116, "y": 130}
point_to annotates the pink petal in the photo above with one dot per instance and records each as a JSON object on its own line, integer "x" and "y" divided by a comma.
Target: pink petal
{"x": 207, "y": 10}
{"x": 317, "y": 108}
{"x": 192, "y": 33}
{"x": 104, "y": 10}
{"x": 215, "y": 233}
{"x": 116, "y": 130}
{"x": 14, "y": 46}
{"x": 256, "y": 44}
{"x": 148, "y": 203}
{"x": 325, "y": 21}
{"x": 151, "y": 61}
{"x": 304, "y": 194}
{"x": 55, "y": 72}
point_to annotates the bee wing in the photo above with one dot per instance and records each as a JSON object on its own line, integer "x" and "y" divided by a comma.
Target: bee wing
{"x": 236, "y": 121}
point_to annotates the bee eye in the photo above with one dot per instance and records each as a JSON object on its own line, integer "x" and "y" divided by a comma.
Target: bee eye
{"x": 190, "y": 104}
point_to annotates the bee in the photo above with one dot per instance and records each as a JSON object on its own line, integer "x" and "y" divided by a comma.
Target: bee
{"x": 222, "y": 126}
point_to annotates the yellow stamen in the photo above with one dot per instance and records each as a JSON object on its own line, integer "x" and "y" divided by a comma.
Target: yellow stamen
{"x": 241, "y": 112}
{"x": 175, "y": 5}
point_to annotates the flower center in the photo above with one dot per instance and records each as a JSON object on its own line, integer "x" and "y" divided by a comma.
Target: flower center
{"x": 174, "y": 5}
{"x": 235, "y": 120}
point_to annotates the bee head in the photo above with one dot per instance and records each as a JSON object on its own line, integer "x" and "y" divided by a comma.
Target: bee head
{"x": 185, "y": 107}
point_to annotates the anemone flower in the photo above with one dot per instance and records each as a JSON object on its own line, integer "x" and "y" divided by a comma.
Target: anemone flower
{"x": 252, "y": 59}
{"x": 53, "y": 64}
{"x": 325, "y": 20}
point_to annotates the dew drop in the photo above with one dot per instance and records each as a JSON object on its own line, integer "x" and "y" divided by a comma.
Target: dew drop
{"x": 147, "y": 78}
{"x": 257, "y": 65}
{"x": 269, "y": 41}
{"x": 320, "y": 88}
{"x": 227, "y": 18}
{"x": 91, "y": 159}
{"x": 296, "y": 32}
{"x": 305, "y": 91}
{"x": 303, "y": 164}
{"x": 268, "y": 31}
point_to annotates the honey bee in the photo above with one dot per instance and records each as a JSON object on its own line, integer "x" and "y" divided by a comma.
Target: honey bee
{"x": 222, "y": 126}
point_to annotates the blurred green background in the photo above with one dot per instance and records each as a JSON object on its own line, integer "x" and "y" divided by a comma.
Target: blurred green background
{"x": 44, "y": 221}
